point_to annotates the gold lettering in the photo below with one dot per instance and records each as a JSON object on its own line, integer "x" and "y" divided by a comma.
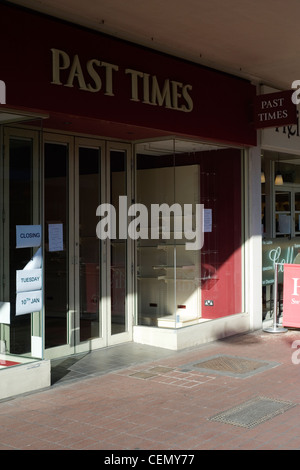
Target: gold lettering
{"x": 76, "y": 71}
{"x": 175, "y": 94}
{"x": 94, "y": 75}
{"x": 134, "y": 83}
{"x": 108, "y": 77}
{"x": 146, "y": 89}
{"x": 188, "y": 99}
{"x": 168, "y": 93}
{"x": 60, "y": 61}
{"x": 158, "y": 97}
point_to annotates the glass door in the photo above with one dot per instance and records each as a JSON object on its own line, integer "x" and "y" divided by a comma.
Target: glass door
{"x": 89, "y": 261}
{"x": 20, "y": 204}
{"x": 120, "y": 295}
{"x": 87, "y": 278}
{"x": 58, "y": 246}
{"x": 287, "y": 212}
{"x": 73, "y": 262}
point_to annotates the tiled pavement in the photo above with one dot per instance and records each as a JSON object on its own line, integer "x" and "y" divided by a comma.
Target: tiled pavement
{"x": 132, "y": 397}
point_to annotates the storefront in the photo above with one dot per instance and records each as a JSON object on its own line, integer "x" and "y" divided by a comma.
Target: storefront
{"x": 280, "y": 180}
{"x": 91, "y": 125}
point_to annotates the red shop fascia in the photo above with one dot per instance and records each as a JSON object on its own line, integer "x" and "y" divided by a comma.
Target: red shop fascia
{"x": 93, "y": 83}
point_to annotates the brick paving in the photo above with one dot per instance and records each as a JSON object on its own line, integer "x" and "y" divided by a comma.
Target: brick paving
{"x": 162, "y": 404}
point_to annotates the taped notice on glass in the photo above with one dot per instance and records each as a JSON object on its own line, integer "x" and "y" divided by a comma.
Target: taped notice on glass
{"x": 29, "y": 280}
{"x": 55, "y": 235}
{"x": 5, "y": 312}
{"x": 28, "y": 302}
{"x": 28, "y": 236}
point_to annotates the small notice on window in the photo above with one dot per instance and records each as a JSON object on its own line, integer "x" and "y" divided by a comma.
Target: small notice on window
{"x": 5, "y": 312}
{"x": 28, "y": 236}
{"x": 55, "y": 234}
{"x": 284, "y": 223}
{"x": 28, "y": 302}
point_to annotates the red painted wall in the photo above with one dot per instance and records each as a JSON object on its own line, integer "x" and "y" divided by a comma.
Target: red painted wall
{"x": 221, "y": 191}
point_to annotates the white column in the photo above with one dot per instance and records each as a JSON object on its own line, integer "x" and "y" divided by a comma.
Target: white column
{"x": 253, "y": 242}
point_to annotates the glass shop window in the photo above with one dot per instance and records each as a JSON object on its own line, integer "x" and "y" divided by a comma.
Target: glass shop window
{"x": 189, "y": 268}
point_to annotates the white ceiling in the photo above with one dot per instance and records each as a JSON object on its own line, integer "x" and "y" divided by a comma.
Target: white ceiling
{"x": 255, "y": 39}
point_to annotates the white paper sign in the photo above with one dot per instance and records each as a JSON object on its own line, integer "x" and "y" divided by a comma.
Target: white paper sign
{"x": 284, "y": 223}
{"x": 55, "y": 233}
{"x": 28, "y": 236}
{"x": 37, "y": 346}
{"x": 5, "y": 312}
{"x": 29, "y": 280}
{"x": 28, "y": 302}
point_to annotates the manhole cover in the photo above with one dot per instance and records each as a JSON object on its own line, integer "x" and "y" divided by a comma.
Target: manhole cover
{"x": 231, "y": 365}
{"x": 253, "y": 412}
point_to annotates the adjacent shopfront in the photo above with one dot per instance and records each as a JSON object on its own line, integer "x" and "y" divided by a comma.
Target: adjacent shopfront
{"x": 280, "y": 180}
{"x": 91, "y": 125}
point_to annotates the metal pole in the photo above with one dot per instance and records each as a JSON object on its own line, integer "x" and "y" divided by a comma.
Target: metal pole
{"x": 275, "y": 328}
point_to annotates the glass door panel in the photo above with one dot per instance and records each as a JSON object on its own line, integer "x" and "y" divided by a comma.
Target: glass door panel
{"x": 283, "y": 213}
{"x": 297, "y": 213}
{"x": 20, "y": 210}
{"x": 56, "y": 260}
{"x": 20, "y": 198}
{"x": 119, "y": 246}
{"x": 89, "y": 196}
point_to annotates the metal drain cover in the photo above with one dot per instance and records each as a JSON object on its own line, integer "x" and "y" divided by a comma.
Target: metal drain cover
{"x": 236, "y": 365}
{"x": 231, "y": 365}
{"x": 253, "y": 412}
